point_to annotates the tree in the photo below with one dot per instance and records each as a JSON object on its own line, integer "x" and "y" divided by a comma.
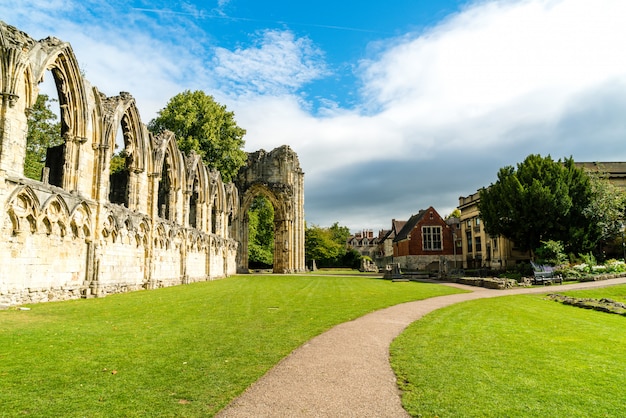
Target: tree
{"x": 541, "y": 200}
{"x": 456, "y": 213}
{"x": 206, "y": 127}
{"x": 43, "y": 133}
{"x": 327, "y": 246}
{"x": 261, "y": 232}
{"x": 339, "y": 234}
{"x": 606, "y": 209}
{"x": 319, "y": 246}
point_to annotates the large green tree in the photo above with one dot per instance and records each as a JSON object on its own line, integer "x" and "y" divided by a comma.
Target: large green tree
{"x": 43, "y": 132}
{"x": 206, "y": 127}
{"x": 261, "y": 232}
{"x": 327, "y": 246}
{"x": 541, "y": 200}
{"x": 606, "y": 210}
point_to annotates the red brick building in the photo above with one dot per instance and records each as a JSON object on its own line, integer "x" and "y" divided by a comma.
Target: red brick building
{"x": 425, "y": 242}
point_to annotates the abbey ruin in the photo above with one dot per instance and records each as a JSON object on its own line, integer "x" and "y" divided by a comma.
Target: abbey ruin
{"x": 166, "y": 220}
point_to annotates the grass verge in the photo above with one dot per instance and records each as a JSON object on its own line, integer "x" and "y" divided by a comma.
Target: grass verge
{"x": 182, "y": 351}
{"x": 518, "y": 356}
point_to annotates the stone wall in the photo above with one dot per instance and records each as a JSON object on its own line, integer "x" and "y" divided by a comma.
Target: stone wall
{"x": 82, "y": 231}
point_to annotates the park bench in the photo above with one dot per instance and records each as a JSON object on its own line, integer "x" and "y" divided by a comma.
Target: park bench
{"x": 545, "y": 275}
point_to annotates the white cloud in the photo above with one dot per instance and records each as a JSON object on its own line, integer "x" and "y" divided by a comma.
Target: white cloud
{"x": 277, "y": 63}
{"x": 497, "y": 53}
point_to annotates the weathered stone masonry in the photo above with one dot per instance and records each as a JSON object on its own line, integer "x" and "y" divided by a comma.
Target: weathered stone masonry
{"x": 165, "y": 220}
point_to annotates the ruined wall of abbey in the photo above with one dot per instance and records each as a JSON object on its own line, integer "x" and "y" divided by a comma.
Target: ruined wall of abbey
{"x": 82, "y": 231}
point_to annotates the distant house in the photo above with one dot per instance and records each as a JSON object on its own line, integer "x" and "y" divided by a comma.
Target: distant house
{"x": 384, "y": 252}
{"x": 364, "y": 243}
{"x": 426, "y": 242}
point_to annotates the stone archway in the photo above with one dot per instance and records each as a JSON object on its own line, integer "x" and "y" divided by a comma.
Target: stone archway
{"x": 277, "y": 176}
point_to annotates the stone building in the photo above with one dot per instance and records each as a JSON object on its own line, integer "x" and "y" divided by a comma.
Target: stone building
{"x": 479, "y": 249}
{"x": 165, "y": 219}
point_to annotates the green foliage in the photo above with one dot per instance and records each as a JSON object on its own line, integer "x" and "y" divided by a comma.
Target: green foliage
{"x": 118, "y": 162}
{"x": 456, "y": 213}
{"x": 43, "y": 133}
{"x": 339, "y": 234}
{"x": 352, "y": 258}
{"x": 615, "y": 266}
{"x": 541, "y": 200}
{"x": 327, "y": 246}
{"x": 605, "y": 211}
{"x": 551, "y": 252}
{"x": 588, "y": 267}
{"x": 182, "y": 351}
{"x": 512, "y": 275}
{"x": 206, "y": 127}
{"x": 261, "y": 232}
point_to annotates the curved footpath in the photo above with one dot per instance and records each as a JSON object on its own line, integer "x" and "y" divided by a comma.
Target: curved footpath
{"x": 345, "y": 371}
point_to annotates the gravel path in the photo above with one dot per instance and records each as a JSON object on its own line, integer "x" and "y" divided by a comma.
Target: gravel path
{"x": 345, "y": 371}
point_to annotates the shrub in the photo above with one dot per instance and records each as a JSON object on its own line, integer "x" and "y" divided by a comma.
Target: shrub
{"x": 615, "y": 266}
{"x": 511, "y": 275}
{"x": 551, "y": 252}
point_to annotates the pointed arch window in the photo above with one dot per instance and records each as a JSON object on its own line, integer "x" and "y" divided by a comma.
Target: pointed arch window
{"x": 164, "y": 193}
{"x": 193, "y": 204}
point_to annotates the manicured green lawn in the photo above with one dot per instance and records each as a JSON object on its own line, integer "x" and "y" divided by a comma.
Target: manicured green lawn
{"x": 342, "y": 271}
{"x": 518, "y": 356}
{"x": 183, "y": 351}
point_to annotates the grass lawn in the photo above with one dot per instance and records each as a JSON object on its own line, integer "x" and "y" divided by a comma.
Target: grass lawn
{"x": 518, "y": 356}
{"x": 342, "y": 271}
{"x": 182, "y": 351}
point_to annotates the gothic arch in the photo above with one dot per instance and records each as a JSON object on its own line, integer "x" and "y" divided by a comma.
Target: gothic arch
{"x": 232, "y": 207}
{"x": 55, "y": 216}
{"x": 196, "y": 185}
{"x": 120, "y": 112}
{"x": 58, "y": 57}
{"x": 21, "y": 59}
{"x": 169, "y": 170}
{"x": 81, "y": 221}
{"x": 217, "y": 202}
{"x": 23, "y": 210}
{"x": 277, "y": 176}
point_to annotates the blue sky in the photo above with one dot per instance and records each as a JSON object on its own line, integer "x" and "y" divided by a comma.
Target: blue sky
{"x": 392, "y": 107}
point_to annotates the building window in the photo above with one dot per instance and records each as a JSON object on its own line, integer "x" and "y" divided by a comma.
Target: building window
{"x": 431, "y": 238}
{"x": 477, "y": 221}
{"x": 468, "y": 234}
{"x": 478, "y": 245}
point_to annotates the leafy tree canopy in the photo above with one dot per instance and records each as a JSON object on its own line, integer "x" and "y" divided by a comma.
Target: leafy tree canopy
{"x": 456, "y": 213}
{"x": 606, "y": 209}
{"x": 43, "y": 132}
{"x": 327, "y": 246}
{"x": 541, "y": 200}
{"x": 206, "y": 127}
{"x": 261, "y": 232}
